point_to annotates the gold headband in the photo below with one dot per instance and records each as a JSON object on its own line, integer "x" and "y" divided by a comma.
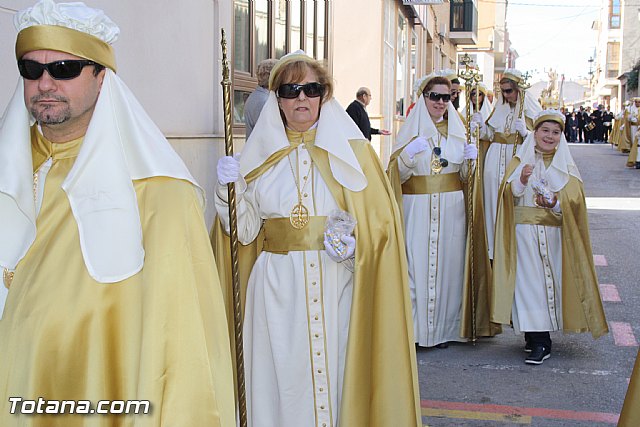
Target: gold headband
{"x": 549, "y": 118}
{"x": 63, "y": 39}
{"x": 426, "y": 80}
{"x": 284, "y": 61}
{"x": 481, "y": 89}
{"x": 510, "y": 76}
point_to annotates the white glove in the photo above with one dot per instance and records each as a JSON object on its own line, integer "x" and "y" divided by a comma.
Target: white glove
{"x": 470, "y": 152}
{"x": 416, "y": 146}
{"x": 474, "y": 126}
{"x": 228, "y": 169}
{"x": 521, "y": 127}
{"x": 350, "y": 250}
{"x": 476, "y": 118}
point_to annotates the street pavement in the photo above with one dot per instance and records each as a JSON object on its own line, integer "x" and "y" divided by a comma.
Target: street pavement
{"x": 585, "y": 380}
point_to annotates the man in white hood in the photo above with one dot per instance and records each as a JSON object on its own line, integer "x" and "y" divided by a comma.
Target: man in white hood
{"x": 110, "y": 290}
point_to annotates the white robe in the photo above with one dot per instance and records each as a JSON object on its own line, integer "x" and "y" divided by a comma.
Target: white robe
{"x": 435, "y": 234}
{"x": 297, "y": 309}
{"x": 537, "y": 304}
{"x": 495, "y": 164}
{"x": 499, "y": 155}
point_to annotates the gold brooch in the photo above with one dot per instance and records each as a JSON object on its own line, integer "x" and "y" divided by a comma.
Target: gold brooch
{"x": 7, "y": 276}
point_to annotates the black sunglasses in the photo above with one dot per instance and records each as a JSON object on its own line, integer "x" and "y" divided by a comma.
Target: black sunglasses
{"x": 292, "y": 90}
{"x": 435, "y": 97}
{"x": 60, "y": 70}
{"x": 507, "y": 91}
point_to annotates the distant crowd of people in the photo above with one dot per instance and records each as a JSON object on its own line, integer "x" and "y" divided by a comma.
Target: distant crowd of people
{"x": 587, "y": 125}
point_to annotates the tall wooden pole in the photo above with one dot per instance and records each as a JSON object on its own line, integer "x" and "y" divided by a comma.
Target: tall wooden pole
{"x": 233, "y": 228}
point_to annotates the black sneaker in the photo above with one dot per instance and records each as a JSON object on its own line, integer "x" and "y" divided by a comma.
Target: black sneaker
{"x": 538, "y": 355}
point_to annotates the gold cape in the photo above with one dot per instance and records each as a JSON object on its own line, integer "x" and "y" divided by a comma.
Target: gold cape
{"x": 581, "y": 305}
{"x": 381, "y": 379}
{"x": 630, "y": 415}
{"x": 624, "y": 139}
{"x": 159, "y": 335}
{"x": 481, "y": 265}
{"x": 633, "y": 151}
{"x": 615, "y": 133}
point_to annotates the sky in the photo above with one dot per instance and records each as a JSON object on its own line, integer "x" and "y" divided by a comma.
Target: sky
{"x": 553, "y": 34}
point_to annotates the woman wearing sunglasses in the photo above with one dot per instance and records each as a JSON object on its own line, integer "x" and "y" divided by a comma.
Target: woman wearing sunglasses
{"x": 427, "y": 170}
{"x": 327, "y": 332}
{"x": 544, "y": 276}
{"x": 506, "y": 126}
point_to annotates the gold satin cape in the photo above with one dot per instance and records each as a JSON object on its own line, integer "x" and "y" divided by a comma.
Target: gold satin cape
{"x": 481, "y": 265}
{"x": 624, "y": 140}
{"x": 581, "y": 305}
{"x": 380, "y": 379}
{"x": 630, "y": 415}
{"x": 159, "y": 335}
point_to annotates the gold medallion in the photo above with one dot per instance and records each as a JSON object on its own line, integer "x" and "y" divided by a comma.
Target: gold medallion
{"x": 7, "y": 276}
{"x": 436, "y": 165}
{"x": 299, "y": 216}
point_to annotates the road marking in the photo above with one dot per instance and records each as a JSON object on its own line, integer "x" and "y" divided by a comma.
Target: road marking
{"x": 614, "y": 203}
{"x": 600, "y": 261}
{"x": 623, "y": 334}
{"x": 475, "y": 415}
{"x": 609, "y": 293}
{"x": 517, "y": 411}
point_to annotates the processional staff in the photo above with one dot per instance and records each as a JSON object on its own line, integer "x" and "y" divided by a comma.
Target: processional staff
{"x": 522, "y": 86}
{"x": 471, "y": 79}
{"x": 233, "y": 228}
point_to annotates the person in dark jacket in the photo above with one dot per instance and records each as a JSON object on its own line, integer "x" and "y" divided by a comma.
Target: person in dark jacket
{"x": 580, "y": 115}
{"x": 357, "y": 110}
{"x": 607, "y": 124}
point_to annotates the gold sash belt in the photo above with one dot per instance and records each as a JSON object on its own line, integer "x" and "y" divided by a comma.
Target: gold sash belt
{"x": 280, "y": 236}
{"x": 431, "y": 184}
{"x": 501, "y": 138}
{"x": 537, "y": 216}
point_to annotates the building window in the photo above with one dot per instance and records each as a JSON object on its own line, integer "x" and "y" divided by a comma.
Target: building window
{"x": 321, "y": 11}
{"x": 401, "y": 65}
{"x": 614, "y": 13}
{"x": 261, "y": 29}
{"x": 295, "y": 23}
{"x": 310, "y": 21}
{"x": 270, "y": 29}
{"x": 613, "y": 60}
{"x": 463, "y": 15}
{"x": 242, "y": 37}
{"x": 280, "y": 20}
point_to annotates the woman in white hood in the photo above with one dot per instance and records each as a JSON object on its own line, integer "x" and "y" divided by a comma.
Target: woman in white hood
{"x": 427, "y": 170}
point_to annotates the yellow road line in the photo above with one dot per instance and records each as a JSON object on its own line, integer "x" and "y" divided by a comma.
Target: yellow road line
{"x": 473, "y": 415}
